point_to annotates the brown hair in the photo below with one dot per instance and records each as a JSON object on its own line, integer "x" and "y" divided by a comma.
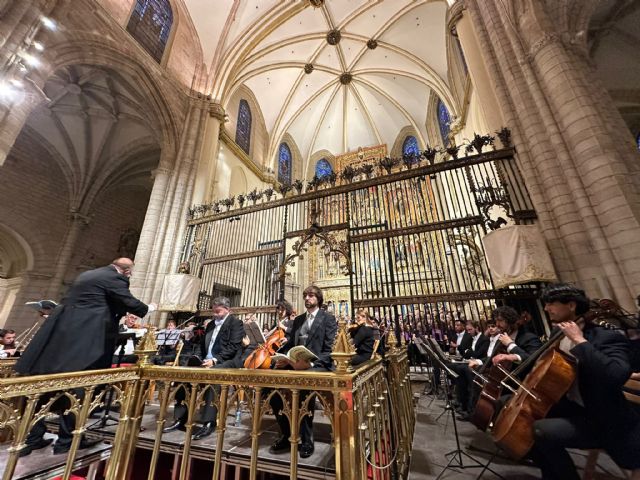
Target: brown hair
{"x": 313, "y": 290}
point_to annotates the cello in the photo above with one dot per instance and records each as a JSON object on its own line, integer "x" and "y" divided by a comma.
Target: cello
{"x": 491, "y": 383}
{"x": 260, "y": 358}
{"x": 551, "y": 377}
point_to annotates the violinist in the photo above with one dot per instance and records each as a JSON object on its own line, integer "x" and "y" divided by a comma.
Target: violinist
{"x": 284, "y": 312}
{"x": 363, "y": 337}
{"x": 594, "y": 413}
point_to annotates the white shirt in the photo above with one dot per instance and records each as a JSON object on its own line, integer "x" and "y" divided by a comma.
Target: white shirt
{"x": 214, "y": 335}
{"x": 475, "y": 340}
{"x": 492, "y": 344}
{"x": 311, "y": 316}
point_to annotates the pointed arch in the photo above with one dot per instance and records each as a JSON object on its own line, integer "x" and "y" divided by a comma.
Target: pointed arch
{"x": 150, "y": 24}
{"x": 243, "y": 126}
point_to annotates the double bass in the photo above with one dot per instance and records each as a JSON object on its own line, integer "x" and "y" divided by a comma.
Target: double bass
{"x": 551, "y": 377}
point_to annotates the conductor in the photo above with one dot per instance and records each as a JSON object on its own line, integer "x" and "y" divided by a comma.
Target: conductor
{"x": 93, "y": 306}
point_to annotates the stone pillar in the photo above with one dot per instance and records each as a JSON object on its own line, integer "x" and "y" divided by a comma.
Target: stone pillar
{"x": 163, "y": 230}
{"x": 207, "y": 165}
{"x": 67, "y": 249}
{"x": 460, "y": 23}
{"x": 577, "y": 176}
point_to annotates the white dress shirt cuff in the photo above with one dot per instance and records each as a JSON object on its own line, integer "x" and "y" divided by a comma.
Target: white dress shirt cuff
{"x": 151, "y": 308}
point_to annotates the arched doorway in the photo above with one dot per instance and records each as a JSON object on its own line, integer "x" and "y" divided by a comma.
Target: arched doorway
{"x": 16, "y": 258}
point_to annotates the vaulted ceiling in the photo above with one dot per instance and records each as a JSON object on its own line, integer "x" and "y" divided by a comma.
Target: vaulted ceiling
{"x": 93, "y": 124}
{"x": 370, "y": 66}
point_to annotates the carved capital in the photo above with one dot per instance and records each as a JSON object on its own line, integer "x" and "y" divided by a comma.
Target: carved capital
{"x": 216, "y": 111}
{"x": 546, "y": 39}
{"x": 455, "y": 15}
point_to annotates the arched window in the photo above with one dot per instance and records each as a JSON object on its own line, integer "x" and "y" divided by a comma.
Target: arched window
{"x": 410, "y": 147}
{"x": 150, "y": 24}
{"x": 444, "y": 119}
{"x": 284, "y": 164}
{"x": 243, "y": 127}
{"x": 638, "y": 141}
{"x": 323, "y": 168}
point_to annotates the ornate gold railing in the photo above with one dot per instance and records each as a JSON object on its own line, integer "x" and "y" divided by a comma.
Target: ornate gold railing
{"x": 369, "y": 411}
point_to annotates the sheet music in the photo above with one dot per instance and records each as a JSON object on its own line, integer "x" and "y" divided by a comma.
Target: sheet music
{"x": 167, "y": 337}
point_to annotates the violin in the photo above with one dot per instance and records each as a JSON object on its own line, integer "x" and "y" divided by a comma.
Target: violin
{"x": 260, "y": 358}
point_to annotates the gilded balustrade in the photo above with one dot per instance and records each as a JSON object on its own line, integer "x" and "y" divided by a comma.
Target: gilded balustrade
{"x": 369, "y": 411}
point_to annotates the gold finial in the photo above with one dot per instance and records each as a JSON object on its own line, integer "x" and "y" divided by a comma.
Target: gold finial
{"x": 147, "y": 347}
{"x": 343, "y": 349}
{"x": 392, "y": 341}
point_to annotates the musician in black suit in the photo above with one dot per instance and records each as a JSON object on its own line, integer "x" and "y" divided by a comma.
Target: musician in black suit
{"x": 594, "y": 413}
{"x": 220, "y": 344}
{"x": 363, "y": 338}
{"x": 459, "y": 342}
{"x": 477, "y": 349}
{"x": 315, "y": 329}
{"x": 94, "y": 304}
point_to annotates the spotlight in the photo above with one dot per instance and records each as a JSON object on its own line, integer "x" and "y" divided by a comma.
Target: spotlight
{"x": 50, "y": 24}
{"x": 38, "y": 46}
{"x": 6, "y": 91}
{"x": 31, "y": 60}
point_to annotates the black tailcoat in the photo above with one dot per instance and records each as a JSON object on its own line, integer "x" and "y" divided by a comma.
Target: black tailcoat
{"x": 81, "y": 332}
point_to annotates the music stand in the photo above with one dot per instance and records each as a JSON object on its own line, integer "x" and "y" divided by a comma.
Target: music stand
{"x": 432, "y": 374}
{"x": 456, "y": 457}
{"x": 121, "y": 341}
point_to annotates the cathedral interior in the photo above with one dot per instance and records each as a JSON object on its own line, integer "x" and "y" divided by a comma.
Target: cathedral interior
{"x": 423, "y": 160}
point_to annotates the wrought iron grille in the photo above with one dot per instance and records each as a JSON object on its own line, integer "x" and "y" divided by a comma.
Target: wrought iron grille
{"x": 401, "y": 237}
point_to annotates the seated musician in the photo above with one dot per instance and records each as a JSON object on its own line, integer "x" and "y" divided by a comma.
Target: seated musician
{"x": 456, "y": 347}
{"x": 477, "y": 350}
{"x": 220, "y": 343}
{"x": 8, "y": 343}
{"x": 363, "y": 337}
{"x": 284, "y": 312}
{"x": 252, "y": 338}
{"x": 130, "y": 324}
{"x": 315, "y": 329}
{"x": 594, "y": 413}
{"x": 167, "y": 341}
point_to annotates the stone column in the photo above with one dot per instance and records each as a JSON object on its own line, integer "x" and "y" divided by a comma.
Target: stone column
{"x": 460, "y": 23}
{"x": 67, "y": 249}
{"x": 577, "y": 176}
{"x": 163, "y": 229}
{"x": 203, "y": 190}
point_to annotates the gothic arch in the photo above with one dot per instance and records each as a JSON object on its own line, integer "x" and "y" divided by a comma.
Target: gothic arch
{"x": 396, "y": 150}
{"x": 16, "y": 258}
{"x": 259, "y": 136}
{"x": 162, "y": 105}
{"x": 318, "y": 155}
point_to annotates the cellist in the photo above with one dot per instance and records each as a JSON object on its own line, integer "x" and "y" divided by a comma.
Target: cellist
{"x": 594, "y": 413}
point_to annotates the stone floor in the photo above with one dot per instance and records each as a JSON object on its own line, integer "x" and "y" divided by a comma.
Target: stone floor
{"x": 434, "y": 437}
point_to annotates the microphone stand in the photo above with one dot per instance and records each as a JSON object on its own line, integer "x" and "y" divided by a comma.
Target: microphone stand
{"x": 457, "y": 456}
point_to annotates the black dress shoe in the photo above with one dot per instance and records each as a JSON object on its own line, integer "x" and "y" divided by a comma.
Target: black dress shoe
{"x": 84, "y": 443}
{"x": 43, "y": 442}
{"x": 204, "y": 431}
{"x": 280, "y": 445}
{"x": 464, "y": 417}
{"x": 306, "y": 450}
{"x": 175, "y": 426}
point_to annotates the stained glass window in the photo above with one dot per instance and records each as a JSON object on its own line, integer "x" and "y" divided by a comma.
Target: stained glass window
{"x": 150, "y": 24}
{"x": 410, "y": 147}
{"x": 284, "y": 164}
{"x": 638, "y": 140}
{"x": 243, "y": 128}
{"x": 323, "y": 168}
{"x": 443, "y": 121}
